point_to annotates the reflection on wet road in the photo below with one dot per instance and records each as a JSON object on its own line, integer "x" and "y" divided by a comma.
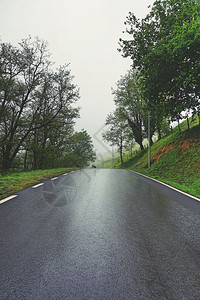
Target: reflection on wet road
{"x": 100, "y": 234}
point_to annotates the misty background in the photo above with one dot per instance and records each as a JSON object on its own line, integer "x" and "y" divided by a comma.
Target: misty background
{"x": 86, "y": 35}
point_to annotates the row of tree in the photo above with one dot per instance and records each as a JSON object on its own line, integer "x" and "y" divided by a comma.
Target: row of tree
{"x": 37, "y": 111}
{"x": 165, "y": 74}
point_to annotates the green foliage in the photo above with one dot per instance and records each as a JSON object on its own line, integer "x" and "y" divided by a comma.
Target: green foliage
{"x": 164, "y": 46}
{"x": 130, "y": 119}
{"x": 118, "y": 134}
{"x": 129, "y": 103}
{"x": 37, "y": 115}
{"x": 80, "y": 149}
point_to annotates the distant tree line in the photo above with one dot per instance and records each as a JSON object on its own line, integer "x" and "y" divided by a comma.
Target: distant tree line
{"x": 37, "y": 115}
{"x": 165, "y": 74}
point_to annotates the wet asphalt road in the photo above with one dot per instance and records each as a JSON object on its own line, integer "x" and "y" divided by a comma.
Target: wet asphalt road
{"x": 100, "y": 234}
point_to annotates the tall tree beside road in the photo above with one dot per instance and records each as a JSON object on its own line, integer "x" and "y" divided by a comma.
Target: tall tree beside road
{"x": 129, "y": 101}
{"x": 118, "y": 133}
{"x": 164, "y": 46}
{"x": 56, "y": 117}
{"x": 32, "y": 96}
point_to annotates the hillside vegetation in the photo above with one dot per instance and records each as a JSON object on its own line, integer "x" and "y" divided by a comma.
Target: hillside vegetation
{"x": 163, "y": 82}
{"x": 175, "y": 159}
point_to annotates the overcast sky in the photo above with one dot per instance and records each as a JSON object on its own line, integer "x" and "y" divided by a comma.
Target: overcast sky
{"x": 84, "y": 33}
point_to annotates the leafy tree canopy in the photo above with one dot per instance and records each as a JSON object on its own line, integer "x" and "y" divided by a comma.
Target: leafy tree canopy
{"x": 164, "y": 46}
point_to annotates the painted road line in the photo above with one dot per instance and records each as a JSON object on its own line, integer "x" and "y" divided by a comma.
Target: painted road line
{"x": 8, "y": 198}
{"x": 37, "y": 185}
{"x": 167, "y": 185}
{"x": 54, "y": 178}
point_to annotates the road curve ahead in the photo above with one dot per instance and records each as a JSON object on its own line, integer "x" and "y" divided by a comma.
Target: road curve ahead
{"x": 100, "y": 234}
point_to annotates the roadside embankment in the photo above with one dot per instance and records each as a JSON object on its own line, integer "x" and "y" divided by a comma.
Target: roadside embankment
{"x": 175, "y": 160}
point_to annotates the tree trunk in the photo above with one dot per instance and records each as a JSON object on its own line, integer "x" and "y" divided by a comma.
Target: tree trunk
{"x": 131, "y": 149}
{"x": 25, "y": 160}
{"x": 6, "y": 159}
{"x": 141, "y": 146}
{"x": 159, "y": 134}
{"x": 188, "y": 124}
{"x": 137, "y": 133}
{"x": 34, "y": 160}
{"x": 179, "y": 127}
{"x": 121, "y": 151}
{"x": 35, "y": 150}
{"x": 6, "y": 164}
{"x": 121, "y": 156}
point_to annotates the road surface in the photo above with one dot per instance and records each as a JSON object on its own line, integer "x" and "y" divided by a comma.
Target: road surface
{"x": 100, "y": 234}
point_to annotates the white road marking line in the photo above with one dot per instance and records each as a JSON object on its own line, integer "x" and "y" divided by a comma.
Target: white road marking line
{"x": 169, "y": 186}
{"x": 8, "y": 198}
{"x": 37, "y": 185}
{"x": 54, "y": 178}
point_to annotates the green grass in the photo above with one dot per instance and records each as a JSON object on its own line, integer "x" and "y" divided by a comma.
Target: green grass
{"x": 15, "y": 182}
{"x": 175, "y": 159}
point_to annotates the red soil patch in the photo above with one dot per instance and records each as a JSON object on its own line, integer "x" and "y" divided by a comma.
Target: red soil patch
{"x": 163, "y": 151}
{"x": 188, "y": 144}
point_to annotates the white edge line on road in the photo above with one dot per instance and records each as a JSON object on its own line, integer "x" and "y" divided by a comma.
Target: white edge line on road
{"x": 37, "y": 185}
{"x": 34, "y": 186}
{"x": 167, "y": 185}
{"x": 8, "y": 198}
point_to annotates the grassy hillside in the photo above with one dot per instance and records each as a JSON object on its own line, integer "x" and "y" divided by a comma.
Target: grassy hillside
{"x": 174, "y": 160}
